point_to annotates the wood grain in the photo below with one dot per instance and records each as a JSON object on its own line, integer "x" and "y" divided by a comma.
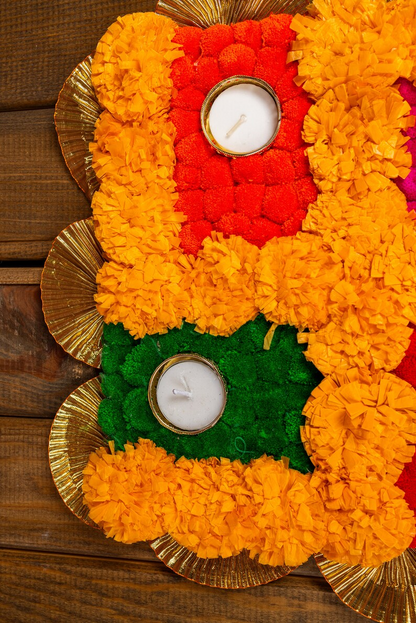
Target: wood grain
{"x": 39, "y": 196}
{"x": 41, "y": 42}
{"x": 36, "y": 375}
{"x": 37, "y": 588}
{"x": 33, "y": 515}
{"x": 24, "y": 249}
{"x": 20, "y": 275}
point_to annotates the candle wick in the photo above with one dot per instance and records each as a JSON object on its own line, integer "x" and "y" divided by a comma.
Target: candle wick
{"x": 241, "y": 120}
{"x": 180, "y": 392}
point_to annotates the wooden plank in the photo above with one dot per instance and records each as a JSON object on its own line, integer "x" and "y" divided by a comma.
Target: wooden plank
{"x": 36, "y": 375}
{"x": 39, "y": 196}
{"x": 33, "y": 515}
{"x": 20, "y": 275}
{"x": 38, "y": 588}
{"x": 27, "y": 249}
{"x": 41, "y": 42}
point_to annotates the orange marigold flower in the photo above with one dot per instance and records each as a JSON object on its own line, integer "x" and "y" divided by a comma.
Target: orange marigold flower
{"x": 216, "y": 38}
{"x": 249, "y": 33}
{"x": 278, "y": 167}
{"x": 270, "y": 65}
{"x": 280, "y": 202}
{"x": 249, "y": 199}
{"x": 248, "y": 169}
{"x": 276, "y": 30}
{"x": 216, "y": 172}
{"x": 237, "y": 59}
{"x": 218, "y": 201}
{"x": 189, "y": 38}
{"x": 207, "y": 74}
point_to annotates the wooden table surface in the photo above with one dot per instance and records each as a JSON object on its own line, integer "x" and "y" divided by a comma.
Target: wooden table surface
{"x": 52, "y": 566}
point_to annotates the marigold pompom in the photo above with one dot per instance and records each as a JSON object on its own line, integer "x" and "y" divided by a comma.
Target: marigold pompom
{"x": 189, "y": 98}
{"x": 218, "y": 201}
{"x": 216, "y": 172}
{"x": 132, "y": 64}
{"x": 207, "y": 74}
{"x": 216, "y": 38}
{"x": 217, "y": 523}
{"x": 237, "y": 59}
{"x": 187, "y": 178}
{"x": 185, "y": 121}
{"x": 222, "y": 291}
{"x": 249, "y": 199}
{"x": 289, "y": 520}
{"x": 182, "y": 72}
{"x": 297, "y": 108}
{"x": 189, "y": 37}
{"x": 134, "y": 155}
{"x": 289, "y": 135}
{"x": 276, "y": 30}
{"x": 192, "y": 235}
{"x": 374, "y": 335}
{"x": 300, "y": 162}
{"x": 278, "y": 167}
{"x": 194, "y": 150}
{"x": 129, "y": 226}
{"x": 248, "y": 169}
{"x": 249, "y": 33}
{"x": 233, "y": 224}
{"x": 360, "y": 423}
{"x": 368, "y": 521}
{"x": 270, "y": 65}
{"x": 294, "y": 278}
{"x": 262, "y": 230}
{"x": 127, "y": 492}
{"x": 149, "y": 297}
{"x": 286, "y": 88}
{"x": 191, "y": 204}
{"x": 294, "y": 223}
{"x": 306, "y": 191}
{"x": 280, "y": 202}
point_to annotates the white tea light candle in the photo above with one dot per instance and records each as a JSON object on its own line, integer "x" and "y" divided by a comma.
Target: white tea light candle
{"x": 187, "y": 393}
{"x": 243, "y": 118}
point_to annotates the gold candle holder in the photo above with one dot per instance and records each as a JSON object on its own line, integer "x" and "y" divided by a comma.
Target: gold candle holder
{"x": 157, "y": 375}
{"x": 215, "y": 92}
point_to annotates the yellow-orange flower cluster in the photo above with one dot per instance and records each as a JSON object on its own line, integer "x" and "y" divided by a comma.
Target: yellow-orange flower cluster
{"x": 294, "y": 279}
{"x": 359, "y": 424}
{"x": 349, "y": 278}
{"x": 131, "y": 68}
{"x": 222, "y": 287}
{"x": 214, "y": 507}
{"x": 360, "y": 431}
{"x": 369, "y": 521}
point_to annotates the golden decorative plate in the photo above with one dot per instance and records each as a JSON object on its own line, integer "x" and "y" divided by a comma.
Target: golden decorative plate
{"x": 68, "y": 286}
{"x": 76, "y": 112}
{"x": 75, "y": 433}
{"x": 386, "y": 594}
{"x": 235, "y": 572}
{"x": 205, "y": 13}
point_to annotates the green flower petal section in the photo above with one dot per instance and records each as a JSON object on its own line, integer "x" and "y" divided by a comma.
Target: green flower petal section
{"x": 267, "y": 391}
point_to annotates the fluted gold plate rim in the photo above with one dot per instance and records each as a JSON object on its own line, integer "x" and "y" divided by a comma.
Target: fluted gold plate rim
{"x": 205, "y": 13}
{"x": 75, "y": 433}
{"x": 68, "y": 286}
{"x": 76, "y": 112}
{"x": 235, "y": 572}
{"x": 386, "y": 594}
